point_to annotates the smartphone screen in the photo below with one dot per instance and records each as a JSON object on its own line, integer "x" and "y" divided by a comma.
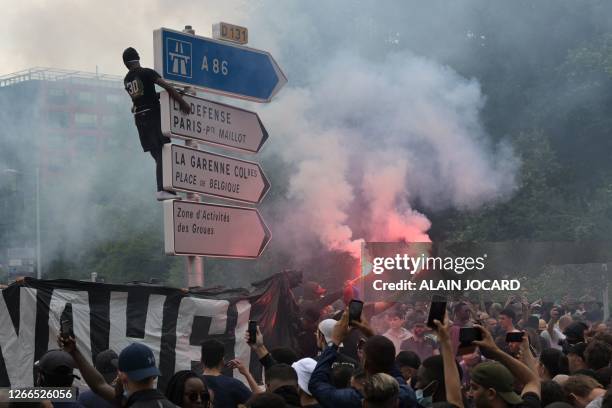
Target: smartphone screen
{"x": 355, "y": 309}
{"x": 514, "y": 337}
{"x": 66, "y": 322}
{"x": 436, "y": 312}
{"x": 252, "y": 331}
{"x": 469, "y": 334}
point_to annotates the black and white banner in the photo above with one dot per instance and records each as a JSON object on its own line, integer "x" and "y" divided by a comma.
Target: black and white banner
{"x": 172, "y": 322}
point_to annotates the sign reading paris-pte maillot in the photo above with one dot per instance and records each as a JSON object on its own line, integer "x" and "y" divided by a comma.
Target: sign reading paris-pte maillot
{"x": 199, "y": 229}
{"x": 216, "y": 66}
{"x": 213, "y": 123}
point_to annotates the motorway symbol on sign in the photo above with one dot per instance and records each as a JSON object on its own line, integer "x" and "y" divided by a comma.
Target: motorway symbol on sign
{"x": 212, "y": 122}
{"x": 216, "y": 66}
{"x": 199, "y": 229}
{"x": 196, "y": 171}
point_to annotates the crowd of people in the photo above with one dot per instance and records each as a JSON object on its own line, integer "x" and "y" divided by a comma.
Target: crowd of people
{"x": 524, "y": 354}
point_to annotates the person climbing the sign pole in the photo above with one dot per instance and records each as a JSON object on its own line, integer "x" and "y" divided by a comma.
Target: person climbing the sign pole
{"x": 140, "y": 83}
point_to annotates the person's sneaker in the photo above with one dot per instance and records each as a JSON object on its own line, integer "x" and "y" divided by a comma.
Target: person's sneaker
{"x": 164, "y": 195}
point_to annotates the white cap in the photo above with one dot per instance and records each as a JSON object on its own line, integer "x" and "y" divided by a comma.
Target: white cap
{"x": 326, "y": 327}
{"x": 304, "y": 369}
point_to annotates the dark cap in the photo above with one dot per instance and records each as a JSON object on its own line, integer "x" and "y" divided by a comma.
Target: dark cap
{"x": 56, "y": 362}
{"x": 492, "y": 374}
{"x": 130, "y": 55}
{"x": 138, "y": 362}
{"x": 106, "y": 363}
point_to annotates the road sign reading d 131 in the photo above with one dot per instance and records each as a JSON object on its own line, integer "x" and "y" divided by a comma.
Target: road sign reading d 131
{"x": 196, "y": 171}
{"x": 216, "y": 66}
{"x": 198, "y": 229}
{"x": 213, "y": 123}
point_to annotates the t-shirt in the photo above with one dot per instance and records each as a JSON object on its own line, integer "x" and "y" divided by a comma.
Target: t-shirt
{"x": 424, "y": 348}
{"x": 554, "y": 340}
{"x": 398, "y": 338}
{"x": 140, "y": 85}
{"x": 229, "y": 392}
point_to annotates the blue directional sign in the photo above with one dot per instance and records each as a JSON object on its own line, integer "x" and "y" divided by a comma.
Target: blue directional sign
{"x": 217, "y": 66}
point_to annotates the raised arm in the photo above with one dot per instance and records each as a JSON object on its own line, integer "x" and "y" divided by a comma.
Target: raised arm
{"x": 243, "y": 370}
{"x": 452, "y": 380}
{"x": 518, "y": 369}
{"x": 92, "y": 377}
{"x": 185, "y": 107}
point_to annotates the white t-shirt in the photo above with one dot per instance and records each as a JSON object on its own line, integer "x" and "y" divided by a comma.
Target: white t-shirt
{"x": 556, "y": 337}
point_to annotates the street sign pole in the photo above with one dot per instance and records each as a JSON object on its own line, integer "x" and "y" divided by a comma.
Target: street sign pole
{"x": 195, "y": 264}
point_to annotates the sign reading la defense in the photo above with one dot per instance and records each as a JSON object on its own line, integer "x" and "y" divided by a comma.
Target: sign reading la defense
{"x": 212, "y": 122}
{"x": 216, "y": 66}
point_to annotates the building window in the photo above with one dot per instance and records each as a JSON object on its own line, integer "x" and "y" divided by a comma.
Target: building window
{"x": 57, "y": 95}
{"x": 86, "y": 97}
{"x": 59, "y": 119}
{"x": 85, "y": 120}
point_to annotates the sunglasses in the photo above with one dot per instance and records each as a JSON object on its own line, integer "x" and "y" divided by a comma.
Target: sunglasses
{"x": 204, "y": 396}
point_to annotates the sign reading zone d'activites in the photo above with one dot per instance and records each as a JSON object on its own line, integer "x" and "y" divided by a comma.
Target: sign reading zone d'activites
{"x": 216, "y": 66}
{"x": 199, "y": 229}
{"x": 212, "y": 122}
{"x": 196, "y": 171}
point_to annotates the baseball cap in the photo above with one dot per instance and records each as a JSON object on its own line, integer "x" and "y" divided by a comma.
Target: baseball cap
{"x": 326, "y": 327}
{"x": 130, "y": 55}
{"x": 138, "y": 362}
{"x": 304, "y": 369}
{"x": 56, "y": 362}
{"x": 106, "y": 363}
{"x": 492, "y": 374}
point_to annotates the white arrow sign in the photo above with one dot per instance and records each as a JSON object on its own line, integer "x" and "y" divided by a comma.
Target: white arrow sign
{"x": 199, "y": 229}
{"x": 213, "y": 122}
{"x": 196, "y": 171}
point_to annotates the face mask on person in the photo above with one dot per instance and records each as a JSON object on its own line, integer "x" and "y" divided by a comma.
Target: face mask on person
{"x": 423, "y": 400}
{"x": 424, "y": 396}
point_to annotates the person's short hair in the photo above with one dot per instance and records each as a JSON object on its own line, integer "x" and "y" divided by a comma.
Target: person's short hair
{"x": 381, "y": 391}
{"x": 580, "y": 385}
{"x": 130, "y": 55}
{"x": 281, "y": 372}
{"x": 408, "y": 359}
{"x": 552, "y": 392}
{"x": 554, "y": 361}
{"x": 379, "y": 354}
{"x": 509, "y": 313}
{"x": 395, "y": 312}
{"x": 212, "y": 353}
{"x": 106, "y": 363}
{"x": 341, "y": 374}
{"x": 265, "y": 400}
{"x": 284, "y": 355}
{"x": 597, "y": 355}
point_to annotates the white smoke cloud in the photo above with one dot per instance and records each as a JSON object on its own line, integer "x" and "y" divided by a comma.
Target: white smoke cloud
{"x": 369, "y": 139}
